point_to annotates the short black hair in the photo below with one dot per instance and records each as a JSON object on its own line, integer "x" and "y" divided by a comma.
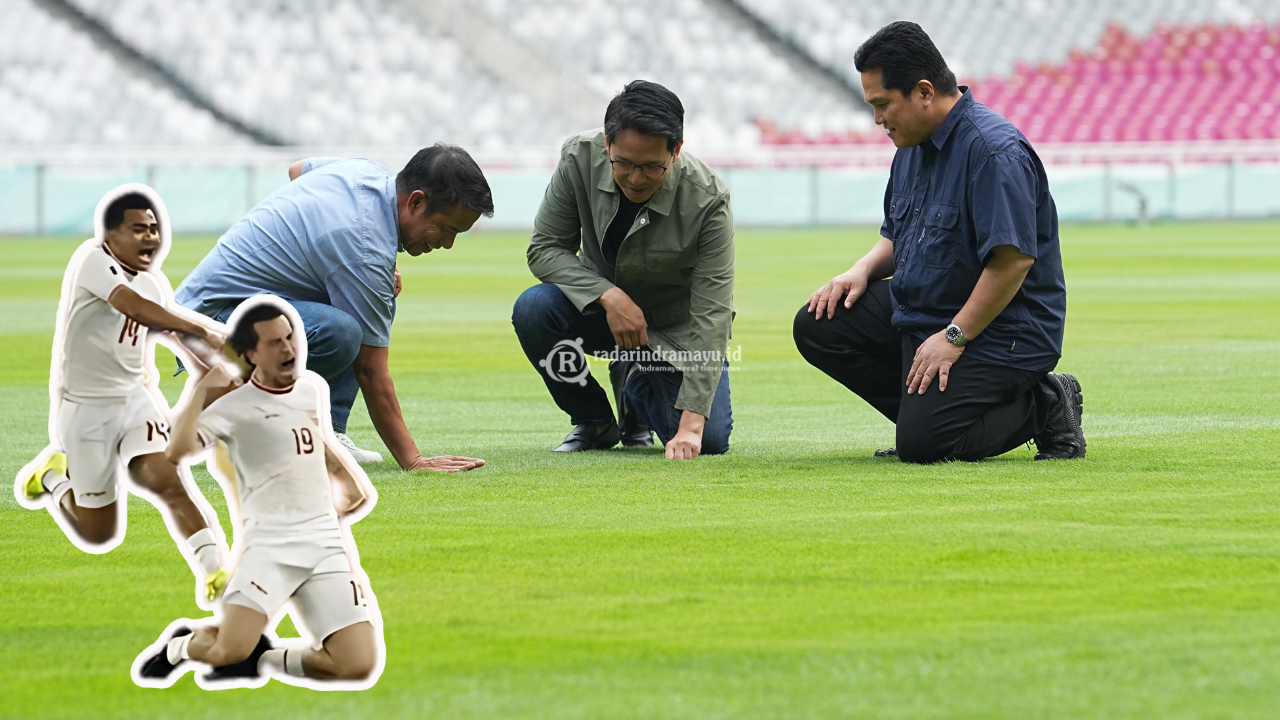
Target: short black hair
{"x": 243, "y": 337}
{"x": 127, "y": 201}
{"x": 448, "y": 176}
{"x": 647, "y": 108}
{"x": 905, "y": 55}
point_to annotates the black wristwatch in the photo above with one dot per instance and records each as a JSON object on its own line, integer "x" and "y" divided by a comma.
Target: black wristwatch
{"x": 955, "y": 335}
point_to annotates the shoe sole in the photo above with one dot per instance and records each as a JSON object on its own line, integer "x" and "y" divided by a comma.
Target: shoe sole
{"x": 1069, "y": 391}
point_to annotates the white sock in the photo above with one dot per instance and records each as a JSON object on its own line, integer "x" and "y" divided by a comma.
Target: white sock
{"x": 205, "y": 547}
{"x": 272, "y": 662}
{"x": 293, "y": 661}
{"x": 177, "y": 651}
{"x": 53, "y": 481}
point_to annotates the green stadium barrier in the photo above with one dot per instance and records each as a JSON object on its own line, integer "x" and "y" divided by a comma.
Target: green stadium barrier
{"x": 71, "y": 196}
{"x": 1257, "y": 190}
{"x": 18, "y": 200}
{"x": 853, "y": 196}
{"x": 1201, "y": 191}
{"x": 61, "y": 200}
{"x": 203, "y": 200}
{"x": 783, "y": 196}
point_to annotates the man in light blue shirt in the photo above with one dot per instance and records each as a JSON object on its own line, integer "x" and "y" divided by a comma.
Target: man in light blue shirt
{"x": 327, "y": 243}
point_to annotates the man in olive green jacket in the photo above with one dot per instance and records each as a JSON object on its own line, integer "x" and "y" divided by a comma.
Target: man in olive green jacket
{"x": 633, "y": 244}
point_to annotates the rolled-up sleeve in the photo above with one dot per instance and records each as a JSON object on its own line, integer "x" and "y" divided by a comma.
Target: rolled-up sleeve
{"x": 1003, "y": 194}
{"x": 317, "y": 162}
{"x": 557, "y": 237}
{"x": 711, "y": 309}
{"x": 366, "y": 292}
{"x": 886, "y": 230}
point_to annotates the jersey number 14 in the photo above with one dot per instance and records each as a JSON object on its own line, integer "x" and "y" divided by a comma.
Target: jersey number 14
{"x": 129, "y": 331}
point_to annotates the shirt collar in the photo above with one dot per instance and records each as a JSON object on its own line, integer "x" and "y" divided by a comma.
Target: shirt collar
{"x": 939, "y": 136}
{"x": 395, "y": 211}
{"x": 661, "y": 200}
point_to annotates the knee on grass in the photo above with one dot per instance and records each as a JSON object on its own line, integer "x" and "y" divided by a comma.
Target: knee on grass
{"x": 715, "y": 441}
{"x": 921, "y": 447}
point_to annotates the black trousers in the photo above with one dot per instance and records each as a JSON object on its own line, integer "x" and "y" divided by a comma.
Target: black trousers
{"x": 987, "y": 409}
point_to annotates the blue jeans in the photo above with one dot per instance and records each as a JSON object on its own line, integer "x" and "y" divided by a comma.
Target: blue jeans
{"x": 333, "y": 341}
{"x": 543, "y": 317}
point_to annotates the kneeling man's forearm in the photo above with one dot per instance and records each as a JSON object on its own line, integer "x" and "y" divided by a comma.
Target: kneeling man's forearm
{"x": 997, "y": 285}
{"x": 379, "y": 390}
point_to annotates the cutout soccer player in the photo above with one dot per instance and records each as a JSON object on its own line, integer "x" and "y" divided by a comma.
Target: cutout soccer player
{"x": 108, "y": 420}
{"x": 292, "y": 481}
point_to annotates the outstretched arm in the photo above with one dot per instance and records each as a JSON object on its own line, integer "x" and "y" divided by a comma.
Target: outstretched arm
{"x": 156, "y": 317}
{"x": 379, "y": 390}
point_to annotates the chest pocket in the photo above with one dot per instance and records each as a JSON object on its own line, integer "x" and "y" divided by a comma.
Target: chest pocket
{"x": 898, "y": 207}
{"x": 669, "y": 262}
{"x": 936, "y": 246}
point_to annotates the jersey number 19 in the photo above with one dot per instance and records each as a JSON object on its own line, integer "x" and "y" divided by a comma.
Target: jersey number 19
{"x": 302, "y": 439}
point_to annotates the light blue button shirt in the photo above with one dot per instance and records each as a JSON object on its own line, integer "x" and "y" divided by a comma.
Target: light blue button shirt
{"x": 331, "y": 237}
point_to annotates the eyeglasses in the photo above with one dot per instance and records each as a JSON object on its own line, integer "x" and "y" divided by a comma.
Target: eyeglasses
{"x": 652, "y": 172}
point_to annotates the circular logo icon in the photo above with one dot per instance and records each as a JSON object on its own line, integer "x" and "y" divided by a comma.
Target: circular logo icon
{"x": 566, "y": 362}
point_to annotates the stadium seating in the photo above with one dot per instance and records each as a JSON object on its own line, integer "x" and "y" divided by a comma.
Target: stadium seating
{"x": 359, "y": 73}
{"x": 1187, "y": 83}
{"x": 1179, "y": 83}
{"x": 350, "y": 72}
{"x": 986, "y": 38}
{"x": 726, "y": 76}
{"x": 58, "y": 87}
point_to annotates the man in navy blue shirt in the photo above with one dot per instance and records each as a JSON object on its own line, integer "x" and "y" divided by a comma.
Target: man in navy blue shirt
{"x": 957, "y": 345}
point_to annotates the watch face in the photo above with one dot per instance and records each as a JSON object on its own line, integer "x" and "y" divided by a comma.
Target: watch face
{"x": 953, "y": 333}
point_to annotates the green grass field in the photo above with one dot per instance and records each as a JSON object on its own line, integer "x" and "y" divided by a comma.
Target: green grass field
{"x": 795, "y": 577}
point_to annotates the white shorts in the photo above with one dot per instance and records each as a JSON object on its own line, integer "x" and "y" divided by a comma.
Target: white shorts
{"x": 326, "y": 598}
{"x": 101, "y": 438}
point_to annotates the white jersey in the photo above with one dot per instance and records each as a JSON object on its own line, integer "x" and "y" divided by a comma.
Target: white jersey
{"x": 275, "y": 442}
{"x": 103, "y": 351}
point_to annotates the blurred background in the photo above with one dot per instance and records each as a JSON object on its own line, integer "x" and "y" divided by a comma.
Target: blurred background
{"x": 1141, "y": 110}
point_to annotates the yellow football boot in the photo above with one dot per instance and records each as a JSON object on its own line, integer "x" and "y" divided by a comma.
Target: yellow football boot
{"x": 34, "y": 486}
{"x": 215, "y": 583}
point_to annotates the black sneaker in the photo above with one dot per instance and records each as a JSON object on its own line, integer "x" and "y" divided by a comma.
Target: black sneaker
{"x": 247, "y": 668}
{"x": 158, "y": 667}
{"x": 891, "y": 452}
{"x": 633, "y": 432}
{"x": 1063, "y": 437}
